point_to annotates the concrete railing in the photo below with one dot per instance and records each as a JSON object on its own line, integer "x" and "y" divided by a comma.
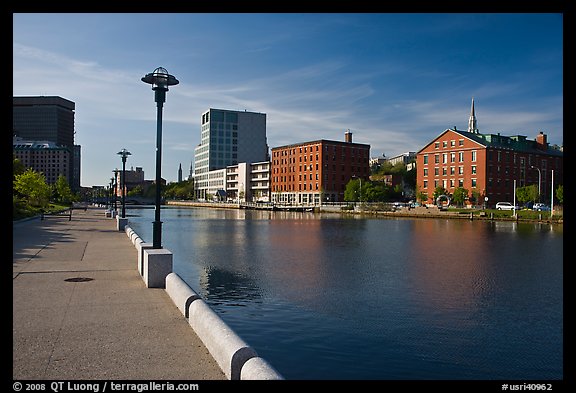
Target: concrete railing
{"x": 234, "y": 356}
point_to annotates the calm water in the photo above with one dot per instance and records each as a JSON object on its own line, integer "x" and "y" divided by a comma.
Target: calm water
{"x": 331, "y": 297}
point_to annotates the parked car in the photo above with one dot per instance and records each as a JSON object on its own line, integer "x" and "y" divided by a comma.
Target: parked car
{"x": 505, "y": 206}
{"x": 541, "y": 207}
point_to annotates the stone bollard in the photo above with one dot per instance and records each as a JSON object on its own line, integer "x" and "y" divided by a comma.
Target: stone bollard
{"x": 140, "y": 247}
{"x": 157, "y": 264}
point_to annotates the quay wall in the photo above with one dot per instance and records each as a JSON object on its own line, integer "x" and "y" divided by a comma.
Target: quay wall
{"x": 235, "y": 357}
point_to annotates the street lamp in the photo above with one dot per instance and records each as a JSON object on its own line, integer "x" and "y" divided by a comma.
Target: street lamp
{"x": 124, "y": 154}
{"x": 539, "y": 181}
{"x": 110, "y": 193}
{"x": 160, "y": 80}
{"x": 115, "y": 188}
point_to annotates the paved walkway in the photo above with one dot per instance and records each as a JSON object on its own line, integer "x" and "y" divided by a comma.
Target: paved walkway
{"x": 82, "y": 311}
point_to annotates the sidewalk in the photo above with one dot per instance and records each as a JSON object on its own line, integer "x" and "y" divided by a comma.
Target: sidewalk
{"x": 82, "y": 311}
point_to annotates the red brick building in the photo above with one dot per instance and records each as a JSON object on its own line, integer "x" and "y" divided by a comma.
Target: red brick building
{"x": 487, "y": 164}
{"x": 317, "y": 171}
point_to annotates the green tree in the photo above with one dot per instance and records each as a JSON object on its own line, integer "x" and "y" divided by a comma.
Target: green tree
{"x": 459, "y": 196}
{"x": 136, "y": 191}
{"x": 31, "y": 186}
{"x": 352, "y": 191}
{"x": 439, "y": 191}
{"x": 560, "y": 194}
{"x": 62, "y": 191}
{"x": 476, "y": 196}
{"x": 422, "y": 196}
{"x": 527, "y": 193}
{"x": 180, "y": 190}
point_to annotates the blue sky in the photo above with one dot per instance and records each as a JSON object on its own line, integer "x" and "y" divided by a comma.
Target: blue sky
{"x": 395, "y": 80}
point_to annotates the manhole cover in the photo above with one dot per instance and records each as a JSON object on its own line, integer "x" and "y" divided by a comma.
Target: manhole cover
{"x": 79, "y": 279}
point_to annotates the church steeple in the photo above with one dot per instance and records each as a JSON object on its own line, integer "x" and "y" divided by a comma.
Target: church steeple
{"x": 472, "y": 121}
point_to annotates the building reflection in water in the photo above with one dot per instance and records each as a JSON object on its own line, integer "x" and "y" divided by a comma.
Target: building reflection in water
{"x": 449, "y": 265}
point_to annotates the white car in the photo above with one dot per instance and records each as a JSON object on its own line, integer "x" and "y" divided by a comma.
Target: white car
{"x": 505, "y": 206}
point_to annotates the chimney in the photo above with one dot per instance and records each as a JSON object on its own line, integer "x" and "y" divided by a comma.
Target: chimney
{"x": 541, "y": 142}
{"x": 348, "y": 136}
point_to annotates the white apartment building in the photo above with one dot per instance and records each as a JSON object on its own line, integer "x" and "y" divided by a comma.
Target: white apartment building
{"x": 227, "y": 138}
{"x": 248, "y": 182}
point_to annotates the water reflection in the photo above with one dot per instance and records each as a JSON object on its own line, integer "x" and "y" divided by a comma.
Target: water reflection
{"x": 334, "y": 297}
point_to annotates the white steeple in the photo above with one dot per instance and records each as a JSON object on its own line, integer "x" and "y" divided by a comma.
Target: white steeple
{"x": 472, "y": 121}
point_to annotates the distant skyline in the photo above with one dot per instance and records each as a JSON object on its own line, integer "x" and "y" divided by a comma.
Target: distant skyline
{"x": 395, "y": 80}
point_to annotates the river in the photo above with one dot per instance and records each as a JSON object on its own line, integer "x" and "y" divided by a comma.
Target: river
{"x": 325, "y": 296}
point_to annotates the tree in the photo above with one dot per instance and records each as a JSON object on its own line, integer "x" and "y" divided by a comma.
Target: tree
{"x": 439, "y": 191}
{"x": 423, "y": 196}
{"x": 32, "y": 187}
{"x": 560, "y": 194}
{"x": 475, "y": 198}
{"x": 527, "y": 193}
{"x": 459, "y": 195}
{"x": 62, "y": 191}
{"x": 351, "y": 193}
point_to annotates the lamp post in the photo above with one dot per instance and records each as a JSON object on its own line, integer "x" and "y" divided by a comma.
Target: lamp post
{"x": 539, "y": 179}
{"x": 115, "y": 188}
{"x": 160, "y": 80}
{"x": 111, "y": 193}
{"x": 124, "y": 154}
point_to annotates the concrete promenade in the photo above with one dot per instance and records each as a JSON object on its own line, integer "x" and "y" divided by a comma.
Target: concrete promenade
{"x": 82, "y": 311}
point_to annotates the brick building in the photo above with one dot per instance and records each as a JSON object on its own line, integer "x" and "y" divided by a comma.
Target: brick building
{"x": 488, "y": 164}
{"x": 309, "y": 173}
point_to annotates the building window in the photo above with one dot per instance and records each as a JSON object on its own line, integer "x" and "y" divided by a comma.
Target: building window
{"x": 473, "y": 183}
{"x": 452, "y": 170}
{"x": 473, "y": 168}
{"x": 461, "y": 142}
{"x": 461, "y": 156}
{"x": 436, "y": 158}
{"x": 425, "y": 158}
{"x": 436, "y": 171}
{"x": 452, "y": 143}
{"x": 444, "y": 144}
{"x": 452, "y": 157}
{"x": 436, "y": 145}
{"x": 425, "y": 171}
{"x": 473, "y": 155}
{"x": 452, "y": 183}
{"x": 425, "y": 183}
{"x": 444, "y": 158}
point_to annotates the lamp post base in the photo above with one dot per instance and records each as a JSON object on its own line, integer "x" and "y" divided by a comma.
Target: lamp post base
{"x": 157, "y": 234}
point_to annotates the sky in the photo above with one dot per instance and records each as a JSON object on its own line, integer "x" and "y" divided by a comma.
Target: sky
{"x": 396, "y": 81}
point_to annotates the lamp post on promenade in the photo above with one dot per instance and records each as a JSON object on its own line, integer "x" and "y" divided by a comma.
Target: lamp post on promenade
{"x": 539, "y": 179}
{"x": 111, "y": 193}
{"x": 160, "y": 80}
{"x": 124, "y": 154}
{"x": 115, "y": 188}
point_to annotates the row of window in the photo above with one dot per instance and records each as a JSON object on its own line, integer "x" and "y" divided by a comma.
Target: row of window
{"x": 305, "y": 149}
{"x": 452, "y": 170}
{"x": 452, "y": 157}
{"x": 451, "y": 182}
{"x": 292, "y": 169}
{"x": 452, "y": 143}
